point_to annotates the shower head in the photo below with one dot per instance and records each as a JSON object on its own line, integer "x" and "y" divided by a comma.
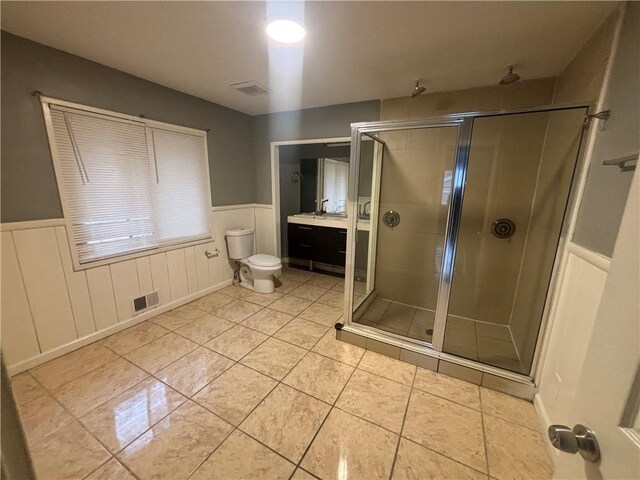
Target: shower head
{"x": 417, "y": 89}
{"x": 510, "y": 77}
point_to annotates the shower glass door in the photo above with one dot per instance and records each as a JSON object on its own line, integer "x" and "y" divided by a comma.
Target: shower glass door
{"x": 518, "y": 178}
{"x": 403, "y": 196}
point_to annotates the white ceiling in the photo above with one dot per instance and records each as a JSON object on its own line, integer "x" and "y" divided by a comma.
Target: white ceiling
{"x": 353, "y": 50}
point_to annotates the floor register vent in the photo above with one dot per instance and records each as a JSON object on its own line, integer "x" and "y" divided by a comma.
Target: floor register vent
{"x": 145, "y": 302}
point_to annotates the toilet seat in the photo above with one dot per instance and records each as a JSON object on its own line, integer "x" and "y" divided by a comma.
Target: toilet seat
{"x": 263, "y": 260}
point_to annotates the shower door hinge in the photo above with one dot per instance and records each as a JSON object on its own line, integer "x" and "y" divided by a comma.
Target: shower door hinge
{"x": 602, "y": 115}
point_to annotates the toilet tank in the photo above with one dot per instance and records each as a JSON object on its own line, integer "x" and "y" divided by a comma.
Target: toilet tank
{"x": 240, "y": 243}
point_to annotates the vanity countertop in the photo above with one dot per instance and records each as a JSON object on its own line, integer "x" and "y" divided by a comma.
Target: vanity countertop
{"x": 321, "y": 221}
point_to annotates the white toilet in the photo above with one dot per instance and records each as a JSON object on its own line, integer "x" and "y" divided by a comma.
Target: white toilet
{"x": 256, "y": 271}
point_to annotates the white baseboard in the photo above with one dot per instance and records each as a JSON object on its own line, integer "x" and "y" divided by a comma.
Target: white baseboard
{"x": 94, "y": 337}
{"x": 544, "y": 422}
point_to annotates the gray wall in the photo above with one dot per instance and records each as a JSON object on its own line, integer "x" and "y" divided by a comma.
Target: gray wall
{"x": 607, "y": 188}
{"x": 28, "y": 184}
{"x": 322, "y": 122}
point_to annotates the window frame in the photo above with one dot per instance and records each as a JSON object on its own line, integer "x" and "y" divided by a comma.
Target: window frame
{"x": 77, "y": 266}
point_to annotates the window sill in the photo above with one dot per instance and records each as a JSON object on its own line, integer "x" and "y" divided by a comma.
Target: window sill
{"x": 78, "y": 267}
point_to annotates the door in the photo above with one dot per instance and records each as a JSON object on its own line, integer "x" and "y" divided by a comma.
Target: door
{"x": 608, "y": 393}
{"x": 401, "y": 216}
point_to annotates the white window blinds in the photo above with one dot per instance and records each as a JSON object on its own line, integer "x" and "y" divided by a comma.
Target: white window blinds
{"x": 128, "y": 186}
{"x": 336, "y": 179}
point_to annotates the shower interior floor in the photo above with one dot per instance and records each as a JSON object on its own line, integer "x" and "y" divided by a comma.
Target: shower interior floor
{"x": 486, "y": 342}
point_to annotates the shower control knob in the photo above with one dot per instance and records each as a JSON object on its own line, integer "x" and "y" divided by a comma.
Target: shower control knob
{"x": 579, "y": 439}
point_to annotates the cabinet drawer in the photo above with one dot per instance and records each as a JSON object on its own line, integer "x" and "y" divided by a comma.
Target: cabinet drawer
{"x": 301, "y": 234}
{"x": 337, "y": 238}
{"x": 302, "y": 251}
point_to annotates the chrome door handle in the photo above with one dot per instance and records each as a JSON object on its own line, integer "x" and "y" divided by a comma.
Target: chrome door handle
{"x": 579, "y": 439}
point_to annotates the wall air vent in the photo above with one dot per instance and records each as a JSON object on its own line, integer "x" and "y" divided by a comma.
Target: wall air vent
{"x": 145, "y": 302}
{"x": 251, "y": 88}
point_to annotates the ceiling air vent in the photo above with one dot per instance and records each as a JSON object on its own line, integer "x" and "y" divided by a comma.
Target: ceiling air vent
{"x": 251, "y": 88}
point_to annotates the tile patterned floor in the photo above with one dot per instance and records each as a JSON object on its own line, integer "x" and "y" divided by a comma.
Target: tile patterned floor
{"x": 239, "y": 385}
{"x": 489, "y": 343}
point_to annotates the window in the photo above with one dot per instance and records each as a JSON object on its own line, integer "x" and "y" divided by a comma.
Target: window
{"x": 127, "y": 184}
{"x": 335, "y": 178}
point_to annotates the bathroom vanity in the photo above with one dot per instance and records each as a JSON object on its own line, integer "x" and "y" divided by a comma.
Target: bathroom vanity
{"x": 319, "y": 238}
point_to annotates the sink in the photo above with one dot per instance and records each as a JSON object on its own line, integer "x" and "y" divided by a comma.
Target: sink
{"x": 324, "y": 216}
{"x": 311, "y": 215}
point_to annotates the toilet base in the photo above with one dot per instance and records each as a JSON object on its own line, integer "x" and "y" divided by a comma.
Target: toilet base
{"x": 258, "y": 285}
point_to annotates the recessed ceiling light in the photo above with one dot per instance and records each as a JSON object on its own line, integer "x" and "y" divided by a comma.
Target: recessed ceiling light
{"x": 286, "y": 31}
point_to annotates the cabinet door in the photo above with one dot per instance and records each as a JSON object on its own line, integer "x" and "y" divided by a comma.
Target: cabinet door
{"x": 301, "y": 241}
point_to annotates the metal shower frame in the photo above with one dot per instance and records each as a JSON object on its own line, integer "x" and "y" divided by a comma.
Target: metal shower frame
{"x": 464, "y": 122}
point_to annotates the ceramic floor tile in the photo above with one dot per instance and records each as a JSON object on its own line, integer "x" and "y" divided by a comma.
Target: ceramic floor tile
{"x": 235, "y": 393}
{"x": 515, "y": 452}
{"x": 500, "y": 332}
{"x": 25, "y": 388}
{"x": 509, "y": 408}
{"x": 286, "y": 421}
{"x": 72, "y": 365}
{"x": 290, "y": 304}
{"x": 237, "y": 342}
{"x": 417, "y": 462}
{"x": 263, "y": 299}
{"x": 387, "y": 367}
{"x": 499, "y": 348}
{"x": 308, "y": 291}
{"x": 343, "y": 352}
{"x": 274, "y": 358}
{"x": 322, "y": 314}
{"x": 332, "y": 298}
{"x": 238, "y": 311}
{"x": 301, "y": 332}
{"x": 41, "y": 416}
{"x": 376, "y": 399}
{"x": 296, "y": 275}
{"x": 453, "y": 430}
{"x": 112, "y": 470}
{"x": 205, "y": 328}
{"x": 319, "y": 376}
{"x": 177, "y": 445}
{"x": 229, "y": 461}
{"x": 122, "y": 419}
{"x": 67, "y": 453}
{"x": 178, "y": 317}
{"x": 134, "y": 337}
{"x": 325, "y": 281}
{"x": 194, "y": 370}
{"x": 300, "y": 474}
{"x": 285, "y": 286}
{"x": 212, "y": 302}
{"x": 161, "y": 352}
{"x": 98, "y": 386}
{"x": 236, "y": 291}
{"x": 350, "y": 448}
{"x": 267, "y": 321}
{"x": 448, "y": 387}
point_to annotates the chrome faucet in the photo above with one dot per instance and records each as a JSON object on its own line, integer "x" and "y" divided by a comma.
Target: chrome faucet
{"x": 322, "y": 210}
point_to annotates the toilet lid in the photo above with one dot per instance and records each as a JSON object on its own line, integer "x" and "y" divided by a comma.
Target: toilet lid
{"x": 263, "y": 260}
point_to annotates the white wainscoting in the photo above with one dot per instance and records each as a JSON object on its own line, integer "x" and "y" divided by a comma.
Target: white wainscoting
{"x": 48, "y": 309}
{"x": 578, "y": 298}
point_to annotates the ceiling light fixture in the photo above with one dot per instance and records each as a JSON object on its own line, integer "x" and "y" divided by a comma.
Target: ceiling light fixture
{"x": 286, "y": 31}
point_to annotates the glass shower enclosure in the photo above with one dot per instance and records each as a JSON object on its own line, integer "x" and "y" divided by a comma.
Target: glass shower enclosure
{"x": 454, "y": 225}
